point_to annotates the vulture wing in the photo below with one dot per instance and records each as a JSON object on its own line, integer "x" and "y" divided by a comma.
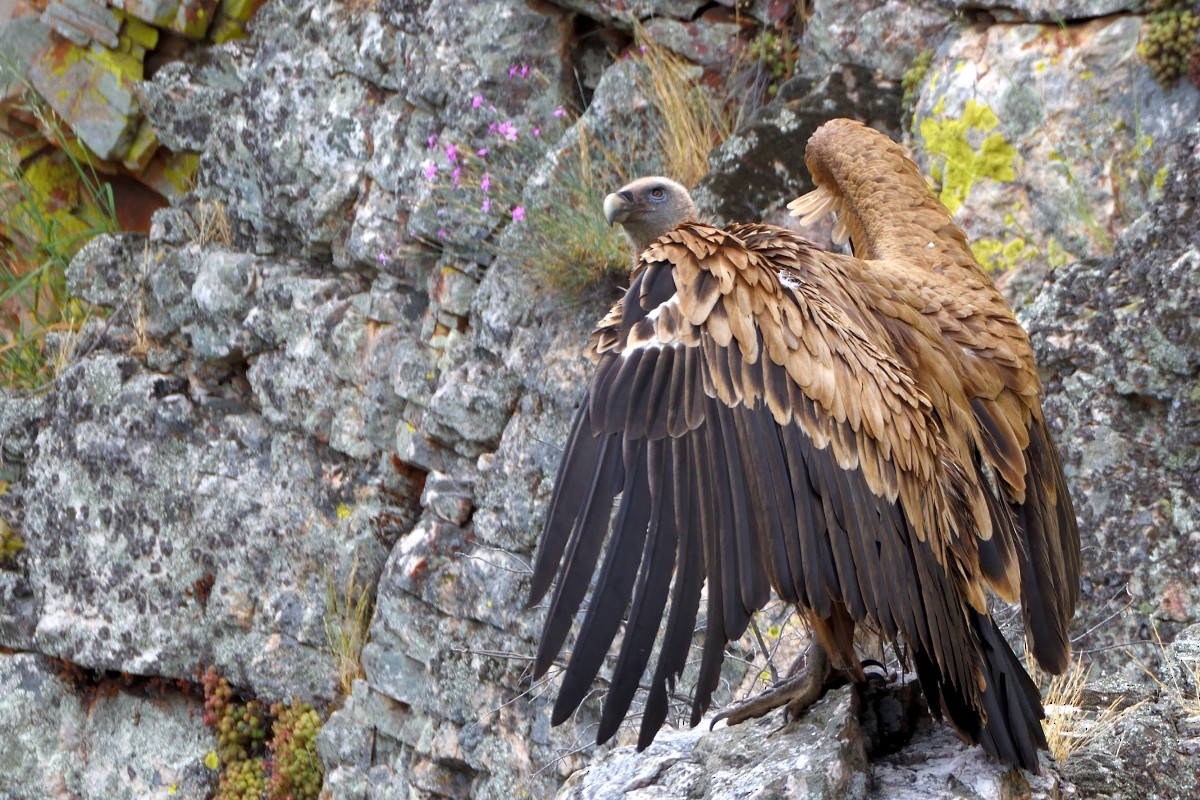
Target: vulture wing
{"x": 758, "y": 438}
{"x": 916, "y": 259}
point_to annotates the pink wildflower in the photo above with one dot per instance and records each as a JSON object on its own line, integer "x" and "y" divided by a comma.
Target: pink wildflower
{"x": 477, "y": 101}
{"x": 512, "y": 70}
{"x": 432, "y": 140}
{"x": 451, "y": 153}
{"x": 518, "y": 213}
{"x": 508, "y": 130}
{"x": 482, "y": 152}
{"x": 485, "y": 185}
{"x": 560, "y": 112}
{"x": 536, "y": 131}
{"x": 524, "y": 70}
{"x": 430, "y": 171}
{"x": 491, "y": 128}
{"x": 441, "y": 234}
{"x": 486, "y": 205}
{"x": 454, "y": 177}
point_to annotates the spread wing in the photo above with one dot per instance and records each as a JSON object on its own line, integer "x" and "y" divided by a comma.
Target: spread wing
{"x": 915, "y": 258}
{"x": 753, "y": 437}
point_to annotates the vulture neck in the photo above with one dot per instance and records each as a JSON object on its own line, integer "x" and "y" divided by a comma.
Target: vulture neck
{"x": 642, "y": 236}
{"x": 884, "y": 224}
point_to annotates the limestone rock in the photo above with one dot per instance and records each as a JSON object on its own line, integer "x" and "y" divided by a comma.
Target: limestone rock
{"x": 1119, "y": 345}
{"x": 92, "y": 94}
{"x": 819, "y": 757}
{"x": 760, "y": 168}
{"x": 158, "y": 554}
{"x": 21, "y": 39}
{"x": 82, "y": 21}
{"x": 58, "y": 746}
{"x": 1051, "y": 11}
{"x": 998, "y": 126}
{"x": 185, "y": 101}
{"x": 882, "y": 36}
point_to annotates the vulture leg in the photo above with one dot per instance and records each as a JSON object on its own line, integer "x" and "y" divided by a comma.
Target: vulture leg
{"x": 811, "y": 675}
{"x": 807, "y": 681}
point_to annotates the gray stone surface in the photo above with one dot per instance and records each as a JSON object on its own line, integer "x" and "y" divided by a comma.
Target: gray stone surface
{"x": 187, "y": 100}
{"x": 20, "y": 40}
{"x": 115, "y": 745}
{"x": 1051, "y": 11}
{"x": 1000, "y": 125}
{"x": 819, "y": 757}
{"x": 883, "y": 36}
{"x": 1118, "y": 340}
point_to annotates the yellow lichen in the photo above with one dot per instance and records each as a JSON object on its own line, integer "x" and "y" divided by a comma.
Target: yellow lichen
{"x": 957, "y": 163}
{"x": 996, "y": 256}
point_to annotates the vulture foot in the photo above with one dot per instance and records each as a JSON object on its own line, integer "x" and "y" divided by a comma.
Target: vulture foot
{"x": 806, "y": 683}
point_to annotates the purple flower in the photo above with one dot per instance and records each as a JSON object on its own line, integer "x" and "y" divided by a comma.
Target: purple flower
{"x": 454, "y": 176}
{"x": 491, "y": 128}
{"x": 477, "y": 101}
{"x": 524, "y": 70}
{"x": 512, "y": 70}
{"x": 518, "y": 213}
{"x": 432, "y": 140}
{"x": 507, "y": 130}
{"x": 536, "y": 131}
{"x": 441, "y": 234}
{"x": 430, "y": 171}
{"x": 383, "y": 259}
{"x": 560, "y": 112}
{"x": 485, "y": 185}
{"x": 482, "y": 152}
{"x": 486, "y": 205}
{"x": 451, "y": 153}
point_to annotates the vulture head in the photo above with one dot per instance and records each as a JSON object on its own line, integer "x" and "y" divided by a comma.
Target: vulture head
{"x": 647, "y": 208}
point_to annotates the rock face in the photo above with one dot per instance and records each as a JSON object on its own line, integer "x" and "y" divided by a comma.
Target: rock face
{"x": 335, "y": 356}
{"x": 1119, "y": 342}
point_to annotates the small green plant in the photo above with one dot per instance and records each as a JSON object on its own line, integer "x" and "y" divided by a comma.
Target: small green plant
{"x": 282, "y": 767}
{"x": 1169, "y": 41}
{"x": 240, "y": 727}
{"x": 776, "y": 54}
{"x": 243, "y": 780}
{"x": 914, "y": 76}
{"x": 347, "y": 618}
{"x": 296, "y": 772}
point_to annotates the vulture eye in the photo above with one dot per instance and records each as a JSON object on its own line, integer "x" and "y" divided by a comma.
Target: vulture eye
{"x": 658, "y": 193}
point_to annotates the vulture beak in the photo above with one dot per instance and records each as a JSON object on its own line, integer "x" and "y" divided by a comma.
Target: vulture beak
{"x": 617, "y": 207}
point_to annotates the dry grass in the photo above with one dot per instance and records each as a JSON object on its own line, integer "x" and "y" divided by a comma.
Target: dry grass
{"x": 569, "y": 247}
{"x": 693, "y": 119}
{"x": 1068, "y": 727}
{"x": 347, "y": 619}
{"x": 211, "y": 224}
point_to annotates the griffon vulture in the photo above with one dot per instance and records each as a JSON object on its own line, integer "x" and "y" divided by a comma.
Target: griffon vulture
{"x": 862, "y": 435}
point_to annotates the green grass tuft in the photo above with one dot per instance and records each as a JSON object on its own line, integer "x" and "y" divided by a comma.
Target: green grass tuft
{"x": 52, "y": 201}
